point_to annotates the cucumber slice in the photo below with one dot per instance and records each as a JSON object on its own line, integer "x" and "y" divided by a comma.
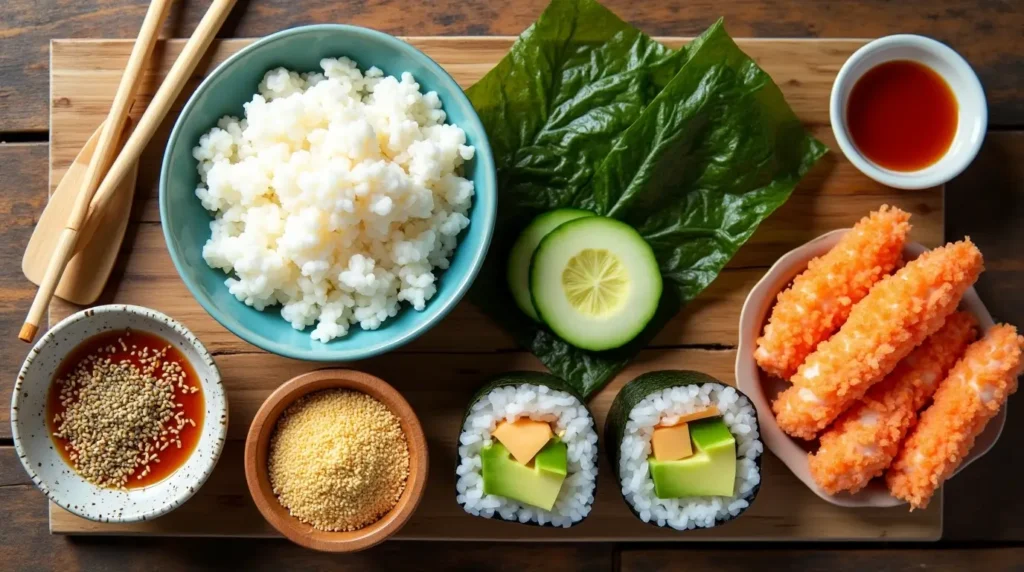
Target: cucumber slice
{"x": 595, "y": 282}
{"x": 522, "y": 252}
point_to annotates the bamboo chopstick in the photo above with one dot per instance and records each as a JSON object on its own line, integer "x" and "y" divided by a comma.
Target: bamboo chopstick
{"x": 144, "y": 131}
{"x": 101, "y": 159}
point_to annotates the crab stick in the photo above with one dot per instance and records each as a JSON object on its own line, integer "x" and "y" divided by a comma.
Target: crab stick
{"x": 977, "y": 386}
{"x": 820, "y": 298}
{"x": 894, "y": 318}
{"x": 862, "y": 443}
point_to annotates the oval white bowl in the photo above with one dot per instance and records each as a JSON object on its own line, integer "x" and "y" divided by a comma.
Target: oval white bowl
{"x": 762, "y": 388}
{"x": 972, "y": 118}
{"x": 44, "y": 463}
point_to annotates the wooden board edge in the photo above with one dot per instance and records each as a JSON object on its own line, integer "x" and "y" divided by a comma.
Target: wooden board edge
{"x": 931, "y": 532}
{"x": 249, "y": 39}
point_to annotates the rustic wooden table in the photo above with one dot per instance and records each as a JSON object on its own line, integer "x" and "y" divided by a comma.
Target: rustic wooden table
{"x": 982, "y": 527}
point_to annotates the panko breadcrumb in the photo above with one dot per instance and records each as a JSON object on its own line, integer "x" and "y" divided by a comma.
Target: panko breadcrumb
{"x": 862, "y": 443}
{"x": 894, "y": 318}
{"x": 338, "y": 460}
{"x": 977, "y": 387}
{"x": 821, "y": 297}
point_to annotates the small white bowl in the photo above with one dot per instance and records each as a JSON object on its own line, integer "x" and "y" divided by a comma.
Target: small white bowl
{"x": 762, "y": 388}
{"x": 973, "y": 111}
{"x": 44, "y": 463}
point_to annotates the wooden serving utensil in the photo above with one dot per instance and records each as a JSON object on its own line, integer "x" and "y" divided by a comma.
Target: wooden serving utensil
{"x": 102, "y": 156}
{"x": 125, "y": 162}
{"x": 94, "y": 257}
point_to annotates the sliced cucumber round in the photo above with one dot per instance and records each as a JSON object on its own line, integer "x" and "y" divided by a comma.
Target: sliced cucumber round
{"x": 595, "y": 282}
{"x": 522, "y": 252}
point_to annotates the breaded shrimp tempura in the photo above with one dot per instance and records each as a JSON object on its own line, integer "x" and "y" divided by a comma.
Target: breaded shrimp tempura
{"x": 862, "y": 443}
{"x": 977, "y": 386}
{"x": 821, "y": 297}
{"x": 897, "y": 315}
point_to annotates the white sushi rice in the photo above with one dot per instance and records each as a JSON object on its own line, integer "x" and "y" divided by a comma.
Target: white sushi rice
{"x": 338, "y": 195}
{"x": 571, "y": 422}
{"x": 661, "y": 406}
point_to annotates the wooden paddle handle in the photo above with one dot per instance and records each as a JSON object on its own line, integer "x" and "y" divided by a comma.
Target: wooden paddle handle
{"x": 105, "y": 149}
{"x": 157, "y": 109}
{"x": 151, "y": 119}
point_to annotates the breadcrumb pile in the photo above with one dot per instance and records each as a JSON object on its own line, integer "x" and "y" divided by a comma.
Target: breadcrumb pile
{"x": 821, "y": 297}
{"x": 338, "y": 460}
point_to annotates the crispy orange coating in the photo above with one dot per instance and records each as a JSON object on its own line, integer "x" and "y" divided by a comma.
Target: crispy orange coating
{"x": 820, "y": 299}
{"x": 862, "y": 443}
{"x": 977, "y": 386}
{"x": 894, "y": 318}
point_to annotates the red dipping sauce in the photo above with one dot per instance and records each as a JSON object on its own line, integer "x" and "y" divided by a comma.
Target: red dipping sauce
{"x": 902, "y": 115}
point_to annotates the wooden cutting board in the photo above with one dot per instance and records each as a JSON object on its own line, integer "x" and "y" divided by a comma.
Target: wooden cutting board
{"x": 439, "y": 371}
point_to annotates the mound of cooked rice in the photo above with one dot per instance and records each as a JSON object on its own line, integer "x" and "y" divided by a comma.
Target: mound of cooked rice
{"x": 337, "y": 196}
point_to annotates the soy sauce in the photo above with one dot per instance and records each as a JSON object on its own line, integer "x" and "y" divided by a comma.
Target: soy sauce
{"x": 902, "y": 115}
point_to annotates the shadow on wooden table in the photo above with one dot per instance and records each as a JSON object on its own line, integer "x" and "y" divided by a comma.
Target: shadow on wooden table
{"x": 987, "y": 203}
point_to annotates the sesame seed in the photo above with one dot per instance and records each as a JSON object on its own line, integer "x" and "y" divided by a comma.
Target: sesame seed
{"x": 115, "y": 412}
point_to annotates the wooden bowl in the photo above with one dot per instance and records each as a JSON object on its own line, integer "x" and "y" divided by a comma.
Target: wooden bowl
{"x": 258, "y": 441}
{"x": 762, "y": 388}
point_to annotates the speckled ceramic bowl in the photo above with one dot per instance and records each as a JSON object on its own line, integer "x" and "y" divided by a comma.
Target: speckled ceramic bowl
{"x": 44, "y": 463}
{"x": 762, "y": 388}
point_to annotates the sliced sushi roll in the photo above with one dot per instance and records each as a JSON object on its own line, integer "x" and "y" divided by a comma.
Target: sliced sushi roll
{"x": 685, "y": 449}
{"x": 527, "y": 452}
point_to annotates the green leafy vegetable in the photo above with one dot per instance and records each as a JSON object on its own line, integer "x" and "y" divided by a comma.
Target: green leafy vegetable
{"x": 693, "y": 148}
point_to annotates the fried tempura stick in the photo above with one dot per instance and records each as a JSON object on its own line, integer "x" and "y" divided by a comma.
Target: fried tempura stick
{"x": 821, "y": 297}
{"x": 977, "y": 386}
{"x": 896, "y": 315}
{"x": 862, "y": 443}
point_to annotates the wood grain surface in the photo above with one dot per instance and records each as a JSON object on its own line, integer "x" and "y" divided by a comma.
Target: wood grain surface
{"x": 984, "y": 32}
{"x": 784, "y": 509}
{"x": 834, "y": 195}
{"x": 833, "y": 559}
{"x": 467, "y": 348}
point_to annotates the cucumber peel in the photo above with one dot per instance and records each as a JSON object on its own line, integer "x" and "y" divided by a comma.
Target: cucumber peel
{"x": 518, "y": 271}
{"x": 595, "y": 282}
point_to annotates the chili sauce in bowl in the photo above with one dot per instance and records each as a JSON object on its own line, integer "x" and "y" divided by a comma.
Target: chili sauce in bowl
{"x": 908, "y": 111}
{"x": 902, "y": 115}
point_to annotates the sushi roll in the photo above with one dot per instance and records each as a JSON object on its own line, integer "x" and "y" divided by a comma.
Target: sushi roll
{"x": 685, "y": 448}
{"x": 527, "y": 452}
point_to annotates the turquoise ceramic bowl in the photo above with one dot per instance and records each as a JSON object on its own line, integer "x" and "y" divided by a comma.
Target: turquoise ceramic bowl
{"x": 186, "y": 223}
